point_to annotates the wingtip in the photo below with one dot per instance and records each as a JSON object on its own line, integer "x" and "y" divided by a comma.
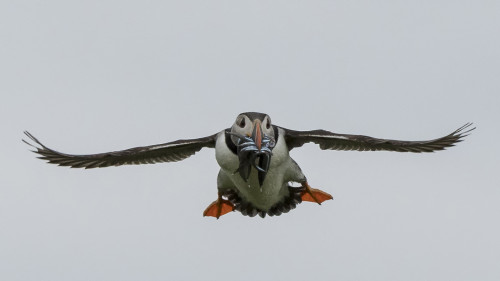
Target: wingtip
{"x": 28, "y": 143}
{"x": 29, "y": 135}
{"x": 464, "y": 130}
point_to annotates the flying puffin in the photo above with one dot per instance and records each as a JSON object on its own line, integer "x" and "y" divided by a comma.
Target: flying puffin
{"x": 256, "y": 168}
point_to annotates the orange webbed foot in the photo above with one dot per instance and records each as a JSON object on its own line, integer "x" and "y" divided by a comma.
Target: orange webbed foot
{"x": 314, "y": 195}
{"x": 218, "y": 208}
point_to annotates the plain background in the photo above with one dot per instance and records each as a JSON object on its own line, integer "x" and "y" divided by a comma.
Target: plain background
{"x": 96, "y": 76}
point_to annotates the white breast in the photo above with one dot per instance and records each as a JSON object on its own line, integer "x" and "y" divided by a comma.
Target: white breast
{"x": 274, "y": 188}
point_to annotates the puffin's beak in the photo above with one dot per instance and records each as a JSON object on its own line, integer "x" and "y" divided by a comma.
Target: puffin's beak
{"x": 257, "y": 134}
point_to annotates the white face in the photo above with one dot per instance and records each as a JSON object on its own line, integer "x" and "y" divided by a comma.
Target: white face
{"x": 267, "y": 127}
{"x": 244, "y": 126}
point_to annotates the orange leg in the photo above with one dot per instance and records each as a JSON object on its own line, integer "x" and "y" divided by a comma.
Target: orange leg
{"x": 314, "y": 195}
{"x": 218, "y": 208}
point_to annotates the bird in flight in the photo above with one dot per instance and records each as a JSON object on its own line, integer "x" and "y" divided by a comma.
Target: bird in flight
{"x": 255, "y": 166}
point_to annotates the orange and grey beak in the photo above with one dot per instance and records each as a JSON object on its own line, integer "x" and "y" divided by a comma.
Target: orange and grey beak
{"x": 257, "y": 134}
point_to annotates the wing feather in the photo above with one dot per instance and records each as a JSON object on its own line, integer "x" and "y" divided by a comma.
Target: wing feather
{"x": 332, "y": 141}
{"x": 166, "y": 152}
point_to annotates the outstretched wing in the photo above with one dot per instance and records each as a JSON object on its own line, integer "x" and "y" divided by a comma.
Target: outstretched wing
{"x": 333, "y": 141}
{"x": 167, "y": 152}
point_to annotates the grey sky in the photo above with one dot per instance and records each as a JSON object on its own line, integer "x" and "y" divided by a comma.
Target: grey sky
{"x": 94, "y": 76}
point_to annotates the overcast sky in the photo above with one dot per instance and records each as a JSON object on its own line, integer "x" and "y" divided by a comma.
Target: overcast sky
{"x": 95, "y": 76}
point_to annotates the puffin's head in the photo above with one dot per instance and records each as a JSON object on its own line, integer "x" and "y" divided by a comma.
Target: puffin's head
{"x": 254, "y": 125}
{"x": 253, "y": 134}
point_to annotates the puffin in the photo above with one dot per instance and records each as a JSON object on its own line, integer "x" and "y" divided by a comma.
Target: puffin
{"x": 257, "y": 176}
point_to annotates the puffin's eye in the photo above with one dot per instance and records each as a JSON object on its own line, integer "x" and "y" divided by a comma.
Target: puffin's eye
{"x": 268, "y": 124}
{"x": 242, "y": 123}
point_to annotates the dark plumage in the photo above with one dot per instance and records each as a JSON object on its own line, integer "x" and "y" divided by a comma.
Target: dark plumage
{"x": 332, "y": 141}
{"x": 167, "y": 152}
